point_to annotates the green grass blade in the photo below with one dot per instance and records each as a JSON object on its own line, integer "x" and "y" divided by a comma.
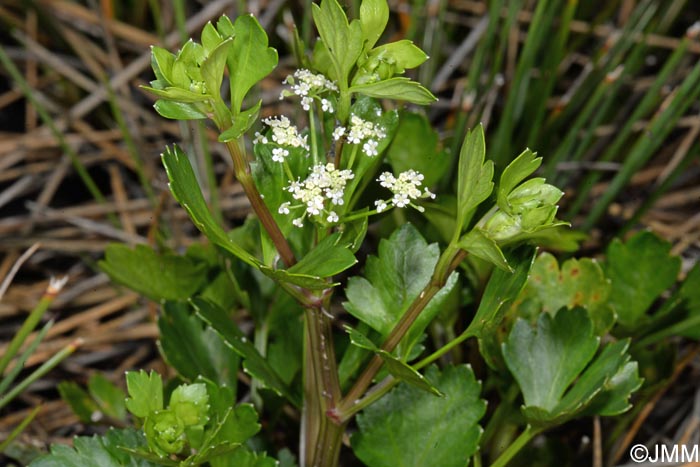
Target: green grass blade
{"x": 41, "y": 371}
{"x": 19, "y": 363}
{"x": 649, "y": 101}
{"x": 646, "y": 146}
{"x": 19, "y": 429}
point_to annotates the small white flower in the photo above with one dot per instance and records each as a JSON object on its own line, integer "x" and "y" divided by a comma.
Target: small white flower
{"x": 284, "y": 208}
{"x": 284, "y": 133}
{"x": 361, "y": 130}
{"x": 308, "y": 86}
{"x": 324, "y": 183}
{"x": 338, "y": 133}
{"x": 279, "y": 154}
{"x": 299, "y": 222}
{"x": 405, "y": 189}
{"x": 370, "y": 148}
{"x": 332, "y": 217}
{"x": 259, "y": 138}
{"x": 306, "y": 103}
{"x": 326, "y": 106}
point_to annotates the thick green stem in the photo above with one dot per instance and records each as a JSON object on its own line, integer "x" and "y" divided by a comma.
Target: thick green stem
{"x": 517, "y": 445}
{"x": 321, "y": 435}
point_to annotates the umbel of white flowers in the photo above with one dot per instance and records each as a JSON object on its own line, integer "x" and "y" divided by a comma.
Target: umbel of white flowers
{"x": 324, "y": 188}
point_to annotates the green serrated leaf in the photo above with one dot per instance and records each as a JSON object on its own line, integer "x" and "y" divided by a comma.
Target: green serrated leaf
{"x": 109, "y": 397}
{"x": 193, "y": 349}
{"x": 614, "y": 399}
{"x": 186, "y": 190}
{"x": 640, "y": 270}
{"x": 159, "y": 277}
{"x": 241, "y": 425}
{"x": 103, "y": 451}
{"x": 178, "y": 110}
{"x": 399, "y": 88}
{"x": 517, "y": 171}
{"x": 250, "y": 59}
{"x": 393, "y": 280}
{"x": 343, "y": 40}
{"x": 326, "y": 259}
{"x": 604, "y": 388}
{"x": 179, "y": 94}
{"x": 547, "y": 359}
{"x": 210, "y": 38}
{"x": 474, "y": 176}
{"x": 145, "y": 393}
{"x": 254, "y": 363}
{"x": 392, "y": 431}
{"x": 402, "y": 55}
{"x": 213, "y": 67}
{"x": 578, "y": 283}
{"x": 374, "y": 15}
{"x": 478, "y": 244}
{"x": 162, "y": 63}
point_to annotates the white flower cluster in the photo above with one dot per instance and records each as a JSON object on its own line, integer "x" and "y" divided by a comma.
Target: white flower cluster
{"x": 362, "y": 130}
{"x": 405, "y": 188}
{"x": 324, "y": 183}
{"x": 283, "y": 134}
{"x": 308, "y": 86}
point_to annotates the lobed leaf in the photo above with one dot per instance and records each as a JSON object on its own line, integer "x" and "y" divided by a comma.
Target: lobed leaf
{"x": 547, "y": 359}
{"x": 145, "y": 392}
{"x": 374, "y": 16}
{"x": 103, "y": 451}
{"x": 578, "y": 283}
{"x": 393, "y": 280}
{"x": 393, "y": 431}
{"x": 249, "y": 60}
{"x": 326, "y": 259}
{"x": 639, "y": 270}
{"x": 474, "y": 176}
{"x": 343, "y": 40}
{"x": 517, "y": 171}
{"x": 158, "y": 277}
